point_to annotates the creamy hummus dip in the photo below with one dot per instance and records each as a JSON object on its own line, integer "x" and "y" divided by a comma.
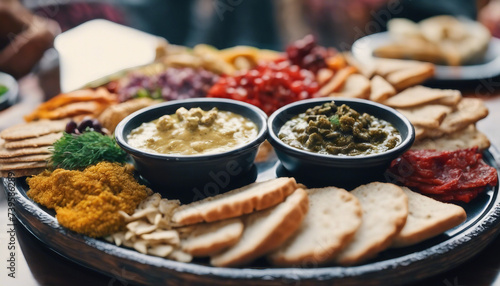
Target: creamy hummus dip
{"x": 193, "y": 132}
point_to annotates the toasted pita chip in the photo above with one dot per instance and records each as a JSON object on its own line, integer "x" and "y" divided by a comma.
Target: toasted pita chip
{"x": 420, "y": 95}
{"x": 384, "y": 67}
{"x": 469, "y": 111}
{"x": 33, "y": 129}
{"x": 466, "y": 138}
{"x": 429, "y": 116}
{"x": 44, "y": 140}
{"x": 366, "y": 69}
{"x": 409, "y": 77}
{"x": 355, "y": 86}
{"x": 380, "y": 89}
{"x": 337, "y": 81}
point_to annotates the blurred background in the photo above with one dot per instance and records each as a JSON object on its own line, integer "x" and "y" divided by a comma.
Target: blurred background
{"x": 28, "y": 27}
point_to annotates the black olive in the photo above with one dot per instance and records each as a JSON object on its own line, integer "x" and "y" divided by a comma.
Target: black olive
{"x": 84, "y": 124}
{"x": 70, "y": 127}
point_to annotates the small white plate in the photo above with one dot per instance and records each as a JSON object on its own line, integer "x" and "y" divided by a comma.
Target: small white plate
{"x": 363, "y": 49}
{"x": 98, "y": 48}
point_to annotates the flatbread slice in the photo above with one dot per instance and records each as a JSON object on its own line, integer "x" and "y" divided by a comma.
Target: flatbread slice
{"x": 210, "y": 238}
{"x": 409, "y": 77}
{"x": 253, "y": 197}
{"x": 355, "y": 86}
{"x": 466, "y": 138}
{"x": 33, "y": 129}
{"x": 469, "y": 111}
{"x": 381, "y": 89}
{"x": 427, "y": 218}
{"x": 265, "y": 231}
{"x": 385, "y": 209}
{"x": 333, "y": 218}
{"x": 429, "y": 116}
{"x": 44, "y": 140}
{"x": 420, "y": 95}
{"x": 385, "y": 67}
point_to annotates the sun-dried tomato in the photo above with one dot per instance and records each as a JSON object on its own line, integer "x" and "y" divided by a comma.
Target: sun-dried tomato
{"x": 445, "y": 175}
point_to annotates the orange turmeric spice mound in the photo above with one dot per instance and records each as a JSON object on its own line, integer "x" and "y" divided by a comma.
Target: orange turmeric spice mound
{"x": 88, "y": 201}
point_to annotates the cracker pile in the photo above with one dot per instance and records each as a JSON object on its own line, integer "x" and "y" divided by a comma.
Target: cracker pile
{"x": 24, "y": 148}
{"x": 288, "y": 224}
{"x": 443, "y": 119}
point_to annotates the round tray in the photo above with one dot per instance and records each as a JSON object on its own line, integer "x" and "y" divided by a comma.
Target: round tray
{"x": 393, "y": 266}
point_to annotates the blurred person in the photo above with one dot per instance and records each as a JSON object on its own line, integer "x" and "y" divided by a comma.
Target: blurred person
{"x": 24, "y": 38}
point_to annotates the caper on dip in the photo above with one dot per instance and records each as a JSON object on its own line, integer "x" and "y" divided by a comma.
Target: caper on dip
{"x": 339, "y": 130}
{"x": 193, "y": 132}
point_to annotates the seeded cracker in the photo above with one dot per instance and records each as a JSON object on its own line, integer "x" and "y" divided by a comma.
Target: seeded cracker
{"x": 33, "y": 129}
{"x": 28, "y": 158}
{"x": 6, "y": 153}
{"x": 44, "y": 140}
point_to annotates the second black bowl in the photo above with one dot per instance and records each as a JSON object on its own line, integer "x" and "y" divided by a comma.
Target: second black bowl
{"x": 316, "y": 170}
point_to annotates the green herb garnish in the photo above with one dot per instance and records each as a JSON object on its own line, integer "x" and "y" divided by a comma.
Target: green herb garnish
{"x": 334, "y": 120}
{"x": 76, "y": 152}
{"x": 3, "y": 89}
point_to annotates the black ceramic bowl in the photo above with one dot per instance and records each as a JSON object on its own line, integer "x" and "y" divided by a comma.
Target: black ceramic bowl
{"x": 193, "y": 177}
{"x": 316, "y": 170}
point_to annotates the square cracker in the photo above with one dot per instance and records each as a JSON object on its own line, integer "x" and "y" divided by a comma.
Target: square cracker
{"x": 44, "y": 140}
{"x": 27, "y": 158}
{"x": 11, "y": 153}
{"x": 22, "y": 165}
{"x": 33, "y": 129}
{"x": 21, "y": 173}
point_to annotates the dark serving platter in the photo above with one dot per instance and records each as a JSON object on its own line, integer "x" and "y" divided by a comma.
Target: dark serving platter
{"x": 391, "y": 267}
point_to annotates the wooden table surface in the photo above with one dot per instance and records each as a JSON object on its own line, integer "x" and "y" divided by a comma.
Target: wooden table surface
{"x": 38, "y": 265}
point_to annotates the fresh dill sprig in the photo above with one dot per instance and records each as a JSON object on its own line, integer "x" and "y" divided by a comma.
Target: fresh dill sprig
{"x": 76, "y": 152}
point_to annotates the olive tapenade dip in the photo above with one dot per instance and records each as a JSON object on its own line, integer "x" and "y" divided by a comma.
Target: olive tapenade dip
{"x": 339, "y": 130}
{"x": 194, "y": 132}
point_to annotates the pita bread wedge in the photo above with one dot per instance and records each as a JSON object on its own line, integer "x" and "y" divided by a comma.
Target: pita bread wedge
{"x": 462, "y": 139}
{"x": 355, "y": 86}
{"x": 380, "y": 89}
{"x": 420, "y": 95}
{"x": 409, "y": 77}
{"x": 385, "y": 209}
{"x": 333, "y": 218}
{"x": 210, "y": 238}
{"x": 337, "y": 81}
{"x": 429, "y": 116}
{"x": 247, "y": 199}
{"x": 384, "y": 67}
{"x": 427, "y": 218}
{"x": 265, "y": 231}
{"x": 469, "y": 111}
